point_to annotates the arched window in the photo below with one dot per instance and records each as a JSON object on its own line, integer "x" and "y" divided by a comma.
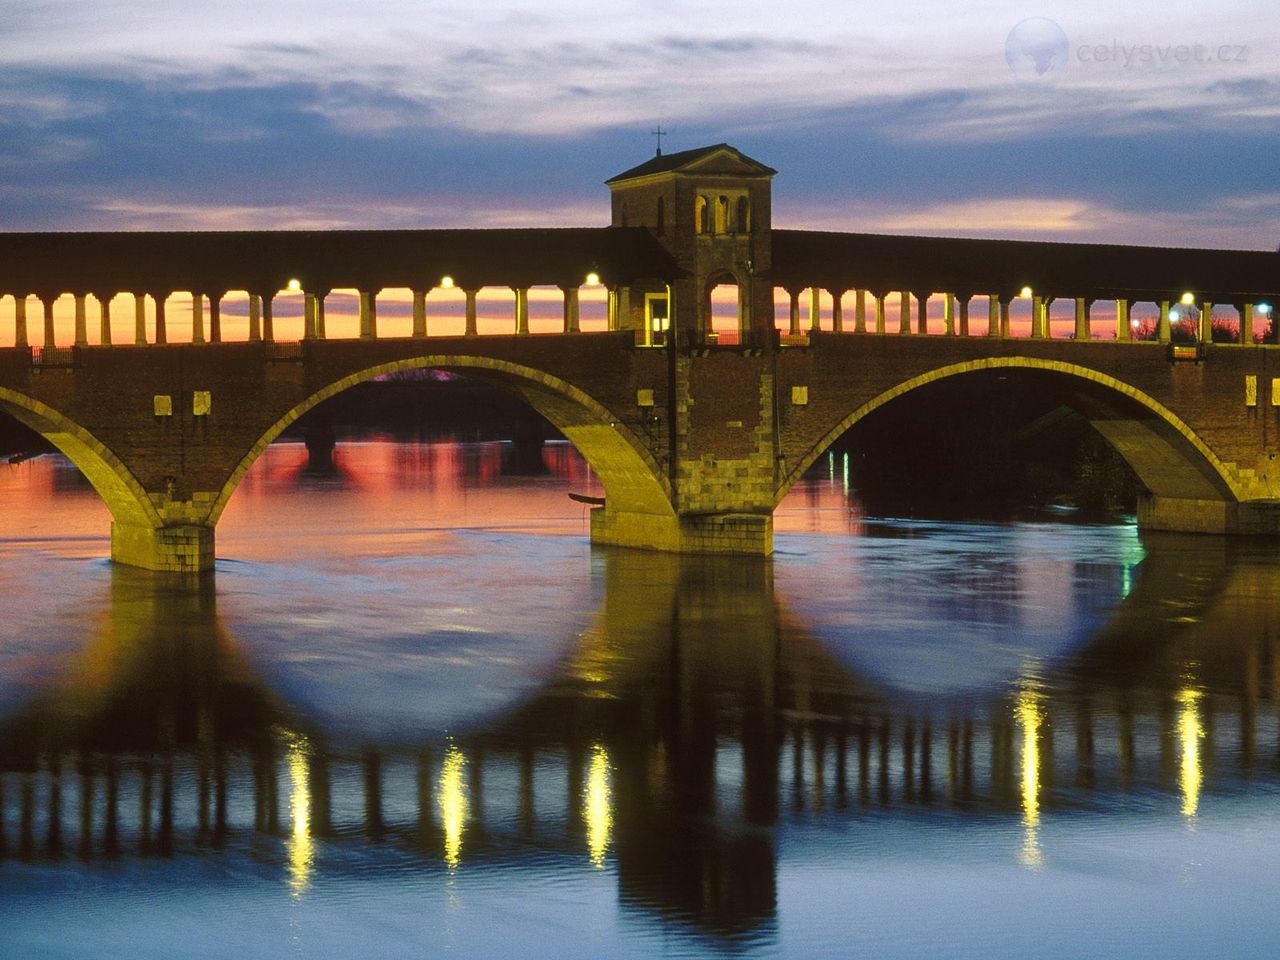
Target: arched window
{"x": 700, "y": 219}
{"x": 743, "y": 221}
{"x": 662, "y": 216}
{"x": 722, "y": 215}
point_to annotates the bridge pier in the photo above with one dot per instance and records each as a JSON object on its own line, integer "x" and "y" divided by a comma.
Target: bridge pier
{"x": 1185, "y": 515}
{"x": 185, "y": 548}
{"x": 728, "y": 533}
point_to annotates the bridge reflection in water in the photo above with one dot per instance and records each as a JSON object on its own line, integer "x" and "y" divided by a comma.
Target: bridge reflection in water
{"x": 695, "y": 717}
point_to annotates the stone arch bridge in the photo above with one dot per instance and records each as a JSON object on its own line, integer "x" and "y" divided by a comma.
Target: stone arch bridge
{"x": 695, "y": 439}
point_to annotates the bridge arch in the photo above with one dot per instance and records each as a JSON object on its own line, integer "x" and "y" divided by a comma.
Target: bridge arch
{"x": 1172, "y": 461}
{"x": 113, "y": 481}
{"x": 629, "y": 473}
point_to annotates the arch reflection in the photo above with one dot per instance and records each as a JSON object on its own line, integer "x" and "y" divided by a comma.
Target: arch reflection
{"x": 696, "y": 721}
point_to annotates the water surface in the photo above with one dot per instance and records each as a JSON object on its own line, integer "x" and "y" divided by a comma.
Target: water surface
{"x": 415, "y": 713}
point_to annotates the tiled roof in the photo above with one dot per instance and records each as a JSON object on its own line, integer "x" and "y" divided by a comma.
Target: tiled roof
{"x": 664, "y": 163}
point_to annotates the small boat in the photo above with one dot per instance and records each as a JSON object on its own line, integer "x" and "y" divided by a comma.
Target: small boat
{"x": 583, "y": 498}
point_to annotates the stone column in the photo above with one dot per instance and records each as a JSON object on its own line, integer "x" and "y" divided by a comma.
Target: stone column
{"x": 162, "y": 330}
{"x": 104, "y": 327}
{"x": 794, "y": 326}
{"x": 20, "y": 320}
{"x": 419, "y": 314}
{"x": 522, "y": 310}
{"x": 215, "y": 318}
{"x": 308, "y": 315}
{"x": 815, "y": 309}
{"x": 1206, "y": 322}
{"x": 860, "y": 311}
{"x": 321, "y": 331}
{"x": 268, "y": 324}
{"x": 139, "y": 318}
{"x": 1039, "y": 324}
{"x": 962, "y": 310}
{"x": 197, "y": 318}
{"x": 880, "y": 321}
{"x": 623, "y": 304}
{"x": 255, "y": 318}
{"x": 368, "y": 315}
{"x": 47, "y": 304}
{"x": 1246, "y": 324}
{"x": 82, "y": 321}
{"x": 922, "y": 314}
{"x": 1082, "y": 319}
{"x": 904, "y": 316}
{"x": 1164, "y": 331}
{"x": 571, "y": 321}
{"x": 837, "y": 311}
{"x": 1124, "y": 330}
{"x": 993, "y": 316}
{"x": 471, "y": 312}
{"x": 949, "y": 314}
{"x": 1006, "y": 320}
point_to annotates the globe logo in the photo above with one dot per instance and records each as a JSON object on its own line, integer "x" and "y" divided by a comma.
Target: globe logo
{"x": 1037, "y": 49}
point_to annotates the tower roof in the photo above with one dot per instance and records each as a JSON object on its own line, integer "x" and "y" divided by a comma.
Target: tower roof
{"x": 719, "y": 158}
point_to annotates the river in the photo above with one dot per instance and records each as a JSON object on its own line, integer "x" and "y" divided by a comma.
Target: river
{"x": 414, "y": 713}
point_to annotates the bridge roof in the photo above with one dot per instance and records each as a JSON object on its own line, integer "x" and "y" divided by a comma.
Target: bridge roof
{"x": 264, "y": 261}
{"x": 945, "y": 264}
{"x": 690, "y": 159}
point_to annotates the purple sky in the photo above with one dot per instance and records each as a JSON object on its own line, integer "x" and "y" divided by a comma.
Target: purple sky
{"x": 898, "y": 117}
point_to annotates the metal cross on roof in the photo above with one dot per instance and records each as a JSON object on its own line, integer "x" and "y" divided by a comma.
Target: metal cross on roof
{"x": 659, "y": 133}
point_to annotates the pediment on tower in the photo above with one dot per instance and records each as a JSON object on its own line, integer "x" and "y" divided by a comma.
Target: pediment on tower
{"x": 719, "y": 160}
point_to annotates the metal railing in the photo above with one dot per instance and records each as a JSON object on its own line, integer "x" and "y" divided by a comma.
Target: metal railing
{"x": 53, "y": 356}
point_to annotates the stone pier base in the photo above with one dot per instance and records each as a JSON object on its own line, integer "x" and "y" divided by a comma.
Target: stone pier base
{"x": 178, "y": 549}
{"x": 747, "y": 534}
{"x": 1247, "y": 518}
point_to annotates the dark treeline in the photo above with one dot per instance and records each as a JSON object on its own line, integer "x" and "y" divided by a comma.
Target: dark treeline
{"x": 426, "y": 405}
{"x": 18, "y": 440}
{"x": 996, "y": 447}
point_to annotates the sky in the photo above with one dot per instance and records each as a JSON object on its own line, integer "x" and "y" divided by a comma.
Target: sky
{"x": 880, "y": 116}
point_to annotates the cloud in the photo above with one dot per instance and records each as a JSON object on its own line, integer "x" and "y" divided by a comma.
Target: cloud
{"x": 151, "y": 113}
{"x": 124, "y": 214}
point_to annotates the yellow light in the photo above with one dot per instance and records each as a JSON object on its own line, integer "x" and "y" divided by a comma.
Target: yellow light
{"x": 1188, "y": 298}
{"x": 300, "y": 846}
{"x": 453, "y": 805}
{"x": 1190, "y": 731}
{"x": 1029, "y": 718}
{"x": 446, "y": 281}
{"x": 593, "y": 279}
{"x": 1025, "y": 292}
{"x": 294, "y": 286}
{"x": 597, "y": 810}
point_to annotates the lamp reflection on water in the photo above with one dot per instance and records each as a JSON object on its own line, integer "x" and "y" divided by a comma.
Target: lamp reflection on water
{"x": 1029, "y": 718}
{"x": 598, "y": 811}
{"x": 300, "y": 845}
{"x": 1190, "y": 732}
{"x": 453, "y": 805}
